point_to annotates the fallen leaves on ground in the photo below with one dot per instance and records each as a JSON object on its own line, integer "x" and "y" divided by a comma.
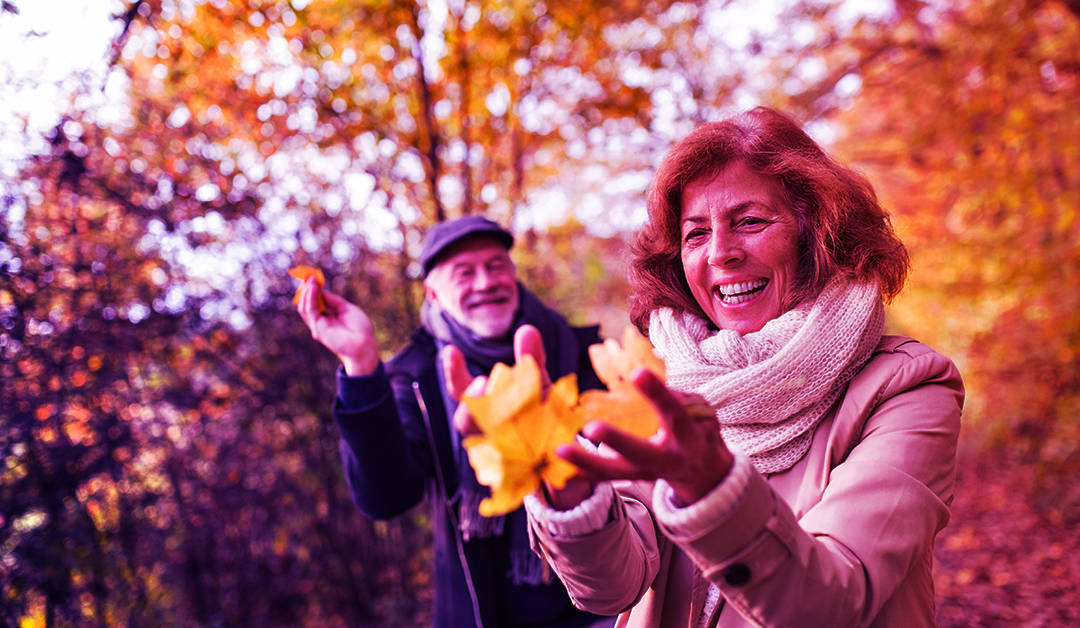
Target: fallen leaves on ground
{"x": 302, "y": 273}
{"x": 1010, "y": 556}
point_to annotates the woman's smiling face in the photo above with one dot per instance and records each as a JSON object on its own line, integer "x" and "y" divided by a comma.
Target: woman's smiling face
{"x": 740, "y": 248}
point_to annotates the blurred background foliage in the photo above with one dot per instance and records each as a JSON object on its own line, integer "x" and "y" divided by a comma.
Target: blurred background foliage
{"x": 167, "y": 455}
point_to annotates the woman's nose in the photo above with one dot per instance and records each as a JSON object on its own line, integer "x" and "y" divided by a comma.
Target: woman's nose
{"x": 724, "y": 249}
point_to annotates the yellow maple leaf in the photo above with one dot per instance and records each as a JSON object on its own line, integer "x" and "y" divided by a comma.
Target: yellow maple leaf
{"x": 509, "y": 391}
{"x": 621, "y": 404}
{"x": 302, "y": 273}
{"x": 516, "y": 451}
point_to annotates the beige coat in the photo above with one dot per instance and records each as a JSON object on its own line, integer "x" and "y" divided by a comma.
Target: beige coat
{"x": 843, "y": 538}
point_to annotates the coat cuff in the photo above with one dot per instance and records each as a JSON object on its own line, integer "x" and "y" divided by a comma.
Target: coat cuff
{"x": 755, "y": 531}
{"x": 362, "y": 391}
{"x": 587, "y": 517}
{"x": 701, "y": 516}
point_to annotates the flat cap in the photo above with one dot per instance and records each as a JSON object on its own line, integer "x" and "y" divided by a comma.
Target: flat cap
{"x": 450, "y": 232}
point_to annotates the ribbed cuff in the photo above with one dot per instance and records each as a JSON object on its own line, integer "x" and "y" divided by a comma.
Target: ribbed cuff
{"x": 589, "y": 516}
{"x": 358, "y": 392}
{"x": 703, "y": 515}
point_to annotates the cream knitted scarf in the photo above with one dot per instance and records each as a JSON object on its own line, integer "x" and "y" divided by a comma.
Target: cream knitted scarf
{"x": 772, "y": 387}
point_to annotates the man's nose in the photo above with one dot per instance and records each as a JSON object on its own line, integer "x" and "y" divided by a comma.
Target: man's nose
{"x": 483, "y": 279}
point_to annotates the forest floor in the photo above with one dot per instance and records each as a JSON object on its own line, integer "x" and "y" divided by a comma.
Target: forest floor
{"x": 1008, "y": 557}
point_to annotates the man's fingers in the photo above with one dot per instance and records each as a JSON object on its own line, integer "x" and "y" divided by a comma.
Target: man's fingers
{"x": 527, "y": 341}
{"x": 306, "y": 306}
{"x": 455, "y": 372}
{"x": 333, "y": 300}
{"x": 463, "y": 419}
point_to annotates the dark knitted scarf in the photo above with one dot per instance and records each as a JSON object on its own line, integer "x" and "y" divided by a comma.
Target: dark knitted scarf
{"x": 481, "y": 354}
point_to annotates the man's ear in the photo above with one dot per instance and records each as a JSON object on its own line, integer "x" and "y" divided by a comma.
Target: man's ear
{"x": 429, "y": 292}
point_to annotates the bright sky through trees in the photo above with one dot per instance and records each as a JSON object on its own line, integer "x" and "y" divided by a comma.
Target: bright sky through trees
{"x": 48, "y": 43}
{"x": 42, "y": 47}
{"x": 48, "y": 48}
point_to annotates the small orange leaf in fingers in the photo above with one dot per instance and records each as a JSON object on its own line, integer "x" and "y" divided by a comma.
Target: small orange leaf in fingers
{"x": 302, "y": 273}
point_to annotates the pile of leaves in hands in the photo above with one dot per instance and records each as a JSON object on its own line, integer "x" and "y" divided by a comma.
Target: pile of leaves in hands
{"x": 521, "y": 427}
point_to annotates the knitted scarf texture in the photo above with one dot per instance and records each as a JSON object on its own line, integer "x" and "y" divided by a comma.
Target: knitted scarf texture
{"x": 771, "y": 388}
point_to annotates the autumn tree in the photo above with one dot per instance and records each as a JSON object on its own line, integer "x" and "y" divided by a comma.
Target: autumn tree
{"x": 968, "y": 122}
{"x": 168, "y": 452}
{"x": 963, "y": 116}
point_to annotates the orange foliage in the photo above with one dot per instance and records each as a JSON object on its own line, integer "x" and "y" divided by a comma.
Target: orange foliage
{"x": 516, "y": 450}
{"x": 972, "y": 139}
{"x": 521, "y": 429}
{"x": 621, "y": 404}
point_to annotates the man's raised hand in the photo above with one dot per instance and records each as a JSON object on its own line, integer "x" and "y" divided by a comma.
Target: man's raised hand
{"x": 344, "y": 329}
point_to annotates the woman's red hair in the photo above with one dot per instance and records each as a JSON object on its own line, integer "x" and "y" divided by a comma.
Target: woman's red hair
{"x": 842, "y": 228}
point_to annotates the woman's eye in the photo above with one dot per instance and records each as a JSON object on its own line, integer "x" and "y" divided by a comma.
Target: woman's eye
{"x": 693, "y": 234}
{"x": 752, "y": 221}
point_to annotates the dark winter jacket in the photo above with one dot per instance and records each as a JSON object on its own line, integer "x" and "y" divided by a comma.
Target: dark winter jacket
{"x": 398, "y": 446}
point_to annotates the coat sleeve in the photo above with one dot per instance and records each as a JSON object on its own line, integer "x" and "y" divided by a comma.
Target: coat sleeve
{"x": 836, "y": 565}
{"x": 609, "y": 570}
{"x": 384, "y": 445}
{"x": 878, "y": 515}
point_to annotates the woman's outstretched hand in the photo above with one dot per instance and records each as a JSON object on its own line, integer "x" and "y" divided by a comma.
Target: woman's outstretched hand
{"x": 687, "y": 451}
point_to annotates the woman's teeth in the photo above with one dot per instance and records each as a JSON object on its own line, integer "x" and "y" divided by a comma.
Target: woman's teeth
{"x": 736, "y": 293}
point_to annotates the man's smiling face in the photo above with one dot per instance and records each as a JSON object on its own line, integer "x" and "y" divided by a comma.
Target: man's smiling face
{"x": 476, "y": 283}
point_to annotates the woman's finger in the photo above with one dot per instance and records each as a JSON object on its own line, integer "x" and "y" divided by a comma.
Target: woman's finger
{"x": 673, "y": 414}
{"x": 599, "y": 468}
{"x": 635, "y": 450}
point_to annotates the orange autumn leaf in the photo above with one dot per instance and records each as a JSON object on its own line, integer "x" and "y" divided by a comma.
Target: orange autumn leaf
{"x": 516, "y": 451}
{"x": 621, "y": 405}
{"x": 302, "y": 273}
{"x": 509, "y": 392}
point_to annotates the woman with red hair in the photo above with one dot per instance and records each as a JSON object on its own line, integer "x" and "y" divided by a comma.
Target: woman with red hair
{"x": 811, "y": 492}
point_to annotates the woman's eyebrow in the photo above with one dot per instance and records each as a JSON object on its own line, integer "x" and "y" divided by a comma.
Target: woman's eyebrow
{"x": 733, "y": 209}
{"x": 745, "y": 205}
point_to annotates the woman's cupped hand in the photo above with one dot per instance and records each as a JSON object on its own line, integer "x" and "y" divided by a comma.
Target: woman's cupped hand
{"x": 687, "y": 451}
